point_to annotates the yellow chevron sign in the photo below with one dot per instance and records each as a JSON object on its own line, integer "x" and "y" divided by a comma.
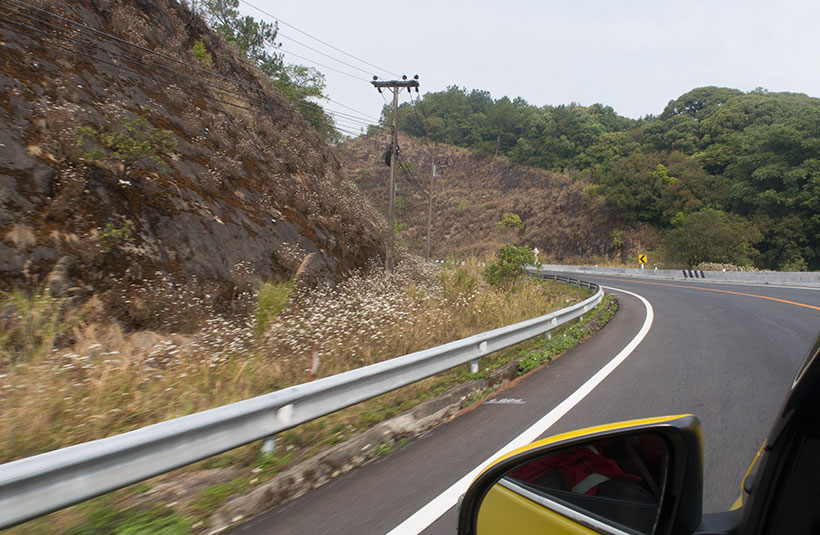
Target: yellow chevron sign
{"x": 642, "y": 259}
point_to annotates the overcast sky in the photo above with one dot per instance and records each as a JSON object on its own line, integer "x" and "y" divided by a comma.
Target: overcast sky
{"x": 633, "y": 55}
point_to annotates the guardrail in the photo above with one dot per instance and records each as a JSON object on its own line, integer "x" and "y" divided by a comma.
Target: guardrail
{"x": 779, "y": 278}
{"x": 38, "y": 485}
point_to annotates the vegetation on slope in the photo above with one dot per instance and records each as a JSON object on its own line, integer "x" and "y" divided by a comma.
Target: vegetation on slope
{"x": 751, "y": 157}
{"x": 72, "y": 376}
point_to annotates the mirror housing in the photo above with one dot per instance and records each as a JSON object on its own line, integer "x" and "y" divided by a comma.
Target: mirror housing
{"x": 680, "y": 509}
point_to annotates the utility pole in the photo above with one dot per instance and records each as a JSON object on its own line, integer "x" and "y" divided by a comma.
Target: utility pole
{"x": 430, "y": 213}
{"x": 395, "y": 86}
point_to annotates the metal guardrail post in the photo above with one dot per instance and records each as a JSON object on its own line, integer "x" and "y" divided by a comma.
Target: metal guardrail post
{"x": 269, "y": 445}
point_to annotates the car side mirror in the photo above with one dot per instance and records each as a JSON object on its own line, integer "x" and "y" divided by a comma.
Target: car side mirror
{"x": 642, "y": 477}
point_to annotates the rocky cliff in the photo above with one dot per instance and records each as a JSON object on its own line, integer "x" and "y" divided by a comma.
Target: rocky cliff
{"x": 231, "y": 184}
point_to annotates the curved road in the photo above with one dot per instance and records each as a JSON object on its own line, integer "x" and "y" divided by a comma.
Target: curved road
{"x": 727, "y": 353}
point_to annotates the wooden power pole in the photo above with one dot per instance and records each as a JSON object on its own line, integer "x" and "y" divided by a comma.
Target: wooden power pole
{"x": 433, "y": 175}
{"x": 395, "y": 86}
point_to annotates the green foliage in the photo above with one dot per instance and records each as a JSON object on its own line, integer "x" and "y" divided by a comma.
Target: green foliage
{"x": 256, "y": 39}
{"x": 408, "y": 167}
{"x": 617, "y": 239}
{"x": 270, "y": 301}
{"x": 510, "y": 220}
{"x": 133, "y": 521}
{"x": 509, "y": 265}
{"x": 458, "y": 281}
{"x": 560, "y": 342}
{"x": 567, "y": 337}
{"x": 712, "y": 236}
{"x": 32, "y": 325}
{"x": 754, "y": 155}
{"x": 112, "y": 236}
{"x": 216, "y": 494}
{"x": 253, "y": 38}
{"x": 400, "y": 205}
{"x": 136, "y": 140}
{"x": 201, "y": 54}
{"x": 398, "y": 227}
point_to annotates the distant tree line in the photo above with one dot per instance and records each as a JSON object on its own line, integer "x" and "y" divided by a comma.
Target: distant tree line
{"x": 738, "y": 173}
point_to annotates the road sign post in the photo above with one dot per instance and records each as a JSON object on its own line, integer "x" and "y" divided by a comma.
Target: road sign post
{"x": 642, "y": 260}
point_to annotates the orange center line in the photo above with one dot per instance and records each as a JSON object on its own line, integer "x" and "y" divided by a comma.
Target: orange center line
{"x": 718, "y": 291}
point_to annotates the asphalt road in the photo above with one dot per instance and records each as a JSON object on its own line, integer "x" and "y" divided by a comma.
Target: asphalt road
{"x": 727, "y": 353}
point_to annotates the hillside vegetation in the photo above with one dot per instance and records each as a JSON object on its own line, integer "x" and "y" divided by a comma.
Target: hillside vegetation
{"x": 473, "y": 193}
{"x": 740, "y": 171}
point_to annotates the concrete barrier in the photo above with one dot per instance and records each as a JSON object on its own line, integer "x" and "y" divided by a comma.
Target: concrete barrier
{"x": 776, "y": 278}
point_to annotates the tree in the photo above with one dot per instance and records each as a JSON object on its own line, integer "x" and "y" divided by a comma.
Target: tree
{"x": 712, "y": 236}
{"x": 256, "y": 39}
{"x": 252, "y": 38}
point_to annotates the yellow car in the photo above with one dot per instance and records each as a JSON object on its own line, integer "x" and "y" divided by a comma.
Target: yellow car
{"x": 646, "y": 477}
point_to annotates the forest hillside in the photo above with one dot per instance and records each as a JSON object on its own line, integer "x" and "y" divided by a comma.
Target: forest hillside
{"x": 724, "y": 175}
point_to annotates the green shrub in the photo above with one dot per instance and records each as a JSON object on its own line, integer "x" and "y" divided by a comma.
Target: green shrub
{"x": 509, "y": 265}
{"x": 201, "y": 54}
{"x": 136, "y": 140}
{"x": 114, "y": 237}
{"x": 459, "y": 280}
{"x": 510, "y": 220}
{"x": 271, "y": 299}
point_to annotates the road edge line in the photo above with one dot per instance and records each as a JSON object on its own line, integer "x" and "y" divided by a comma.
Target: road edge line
{"x": 433, "y": 510}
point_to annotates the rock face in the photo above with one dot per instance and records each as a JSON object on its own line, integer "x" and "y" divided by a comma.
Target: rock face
{"x": 248, "y": 188}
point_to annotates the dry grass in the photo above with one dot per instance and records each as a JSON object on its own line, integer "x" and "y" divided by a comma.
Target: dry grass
{"x": 66, "y": 377}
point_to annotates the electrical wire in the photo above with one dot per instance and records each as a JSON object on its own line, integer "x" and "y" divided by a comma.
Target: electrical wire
{"x": 316, "y": 38}
{"x": 119, "y": 40}
{"x": 362, "y": 117}
{"x": 345, "y": 106}
{"x": 22, "y": 25}
{"x": 279, "y": 34}
{"x": 350, "y": 119}
{"x": 321, "y": 64}
{"x": 34, "y": 25}
{"x": 89, "y": 33}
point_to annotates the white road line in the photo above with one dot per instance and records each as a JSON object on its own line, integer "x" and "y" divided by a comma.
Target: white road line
{"x": 428, "y": 514}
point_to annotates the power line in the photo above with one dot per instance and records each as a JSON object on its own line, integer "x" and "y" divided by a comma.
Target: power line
{"x": 90, "y": 33}
{"x": 322, "y": 65}
{"x": 345, "y": 106}
{"x": 123, "y": 41}
{"x": 350, "y": 119}
{"x": 369, "y": 73}
{"x": 348, "y": 132}
{"x": 316, "y": 38}
{"x": 124, "y": 54}
{"x": 357, "y": 116}
{"x": 24, "y": 25}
